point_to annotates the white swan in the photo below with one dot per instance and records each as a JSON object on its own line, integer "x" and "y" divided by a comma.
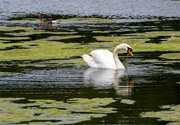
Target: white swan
{"x": 105, "y": 58}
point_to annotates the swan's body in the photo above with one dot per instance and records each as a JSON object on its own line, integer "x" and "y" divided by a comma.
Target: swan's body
{"x": 105, "y": 58}
{"x": 46, "y": 21}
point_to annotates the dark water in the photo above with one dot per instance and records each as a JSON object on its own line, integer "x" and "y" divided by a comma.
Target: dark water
{"x": 150, "y": 85}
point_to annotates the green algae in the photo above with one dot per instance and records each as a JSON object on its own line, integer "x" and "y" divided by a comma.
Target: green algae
{"x": 14, "y": 38}
{"x": 51, "y": 49}
{"x": 21, "y": 45}
{"x": 64, "y": 37}
{"x": 43, "y": 50}
{"x": 36, "y": 32}
{"x": 166, "y": 106}
{"x": 88, "y": 20}
{"x": 78, "y": 19}
{"x": 170, "y": 56}
{"x": 100, "y": 31}
{"x": 74, "y": 111}
{"x": 4, "y": 28}
{"x": 173, "y": 114}
{"x": 128, "y": 101}
{"x": 3, "y": 41}
{"x": 137, "y": 41}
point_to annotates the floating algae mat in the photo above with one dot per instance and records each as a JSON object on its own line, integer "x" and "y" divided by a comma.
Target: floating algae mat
{"x": 88, "y": 20}
{"x": 128, "y": 101}
{"x": 53, "y": 112}
{"x": 7, "y": 29}
{"x": 170, "y": 56}
{"x": 51, "y": 46}
{"x": 14, "y": 38}
{"x": 172, "y": 115}
{"x": 78, "y": 19}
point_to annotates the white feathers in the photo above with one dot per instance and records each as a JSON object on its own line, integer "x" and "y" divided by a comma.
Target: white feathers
{"x": 104, "y": 58}
{"x": 100, "y": 59}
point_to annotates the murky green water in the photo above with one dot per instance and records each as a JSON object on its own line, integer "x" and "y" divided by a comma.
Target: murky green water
{"x": 63, "y": 90}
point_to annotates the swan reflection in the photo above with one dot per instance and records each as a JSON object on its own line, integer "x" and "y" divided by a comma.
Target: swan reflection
{"x": 108, "y": 78}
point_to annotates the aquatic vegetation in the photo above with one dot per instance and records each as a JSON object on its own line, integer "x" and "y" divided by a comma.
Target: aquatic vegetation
{"x": 15, "y": 38}
{"x": 64, "y": 37}
{"x": 170, "y": 56}
{"x": 173, "y": 114}
{"x": 78, "y": 19}
{"x": 36, "y": 32}
{"x": 37, "y": 111}
{"x": 166, "y": 106}
{"x": 88, "y": 19}
{"x": 51, "y": 48}
{"x": 138, "y": 41}
{"x": 7, "y": 29}
{"x": 128, "y": 101}
{"x": 100, "y": 31}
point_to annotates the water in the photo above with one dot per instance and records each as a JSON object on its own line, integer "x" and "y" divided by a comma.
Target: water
{"x": 150, "y": 85}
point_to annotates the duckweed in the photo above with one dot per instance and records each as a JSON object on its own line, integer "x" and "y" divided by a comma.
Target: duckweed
{"x": 74, "y": 111}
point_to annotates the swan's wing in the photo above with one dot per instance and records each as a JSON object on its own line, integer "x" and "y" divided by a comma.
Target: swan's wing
{"x": 89, "y": 60}
{"x": 103, "y": 58}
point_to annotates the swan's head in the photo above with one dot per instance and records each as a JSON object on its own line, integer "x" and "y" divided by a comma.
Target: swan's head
{"x": 123, "y": 46}
{"x": 126, "y": 47}
{"x": 129, "y": 50}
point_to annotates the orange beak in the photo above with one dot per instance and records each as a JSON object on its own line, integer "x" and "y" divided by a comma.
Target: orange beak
{"x": 35, "y": 15}
{"x": 129, "y": 51}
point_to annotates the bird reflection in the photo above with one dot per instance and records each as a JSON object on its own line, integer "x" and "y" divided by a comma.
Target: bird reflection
{"x": 108, "y": 78}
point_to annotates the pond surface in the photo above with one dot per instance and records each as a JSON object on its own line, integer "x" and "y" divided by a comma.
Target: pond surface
{"x": 148, "y": 85}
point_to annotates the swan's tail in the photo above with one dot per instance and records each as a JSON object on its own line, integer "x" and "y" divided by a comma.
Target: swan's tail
{"x": 89, "y": 60}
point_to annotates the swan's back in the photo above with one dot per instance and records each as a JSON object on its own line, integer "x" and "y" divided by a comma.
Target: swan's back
{"x": 100, "y": 59}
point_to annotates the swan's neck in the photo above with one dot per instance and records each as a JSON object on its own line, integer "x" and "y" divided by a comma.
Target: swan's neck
{"x": 118, "y": 63}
